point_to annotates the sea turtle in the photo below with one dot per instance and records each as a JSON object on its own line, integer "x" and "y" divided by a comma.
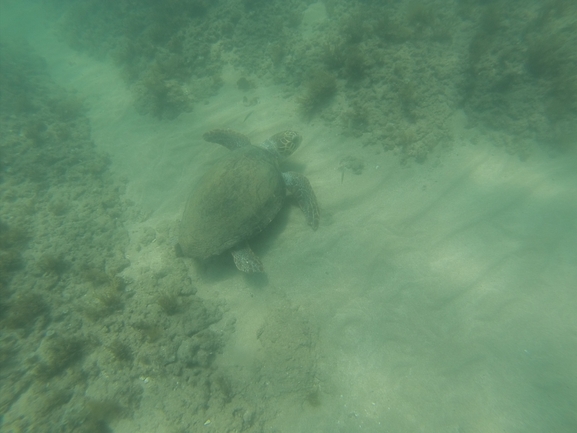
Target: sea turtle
{"x": 240, "y": 195}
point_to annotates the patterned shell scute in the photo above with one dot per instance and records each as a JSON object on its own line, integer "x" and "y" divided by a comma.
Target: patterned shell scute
{"x": 235, "y": 200}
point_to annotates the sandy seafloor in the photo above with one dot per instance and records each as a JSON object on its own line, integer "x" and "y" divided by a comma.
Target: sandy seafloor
{"x": 434, "y": 297}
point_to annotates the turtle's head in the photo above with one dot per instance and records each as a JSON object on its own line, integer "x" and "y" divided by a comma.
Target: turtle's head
{"x": 284, "y": 143}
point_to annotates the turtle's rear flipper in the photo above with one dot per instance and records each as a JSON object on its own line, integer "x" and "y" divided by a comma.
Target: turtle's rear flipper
{"x": 246, "y": 260}
{"x": 229, "y": 139}
{"x": 300, "y": 188}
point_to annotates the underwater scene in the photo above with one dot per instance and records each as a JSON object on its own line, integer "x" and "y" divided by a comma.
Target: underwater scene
{"x": 288, "y": 216}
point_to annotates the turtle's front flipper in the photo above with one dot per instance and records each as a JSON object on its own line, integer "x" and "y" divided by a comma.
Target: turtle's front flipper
{"x": 229, "y": 139}
{"x": 246, "y": 260}
{"x": 300, "y": 187}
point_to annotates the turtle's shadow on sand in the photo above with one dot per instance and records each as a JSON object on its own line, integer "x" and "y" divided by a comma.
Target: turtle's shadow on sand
{"x": 222, "y": 268}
